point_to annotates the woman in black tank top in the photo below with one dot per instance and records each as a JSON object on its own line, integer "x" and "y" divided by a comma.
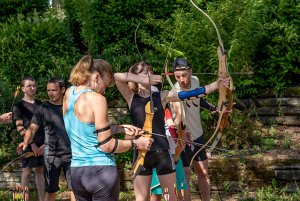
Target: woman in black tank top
{"x": 137, "y": 95}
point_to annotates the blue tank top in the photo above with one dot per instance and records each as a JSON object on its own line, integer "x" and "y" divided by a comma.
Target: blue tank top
{"x": 82, "y": 138}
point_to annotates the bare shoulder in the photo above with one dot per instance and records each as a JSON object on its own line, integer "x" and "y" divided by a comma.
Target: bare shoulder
{"x": 67, "y": 92}
{"x": 94, "y": 99}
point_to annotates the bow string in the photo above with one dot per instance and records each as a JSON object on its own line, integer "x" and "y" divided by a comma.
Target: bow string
{"x": 224, "y": 73}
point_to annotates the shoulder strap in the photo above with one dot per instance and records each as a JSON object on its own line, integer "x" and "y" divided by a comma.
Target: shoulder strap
{"x": 74, "y": 96}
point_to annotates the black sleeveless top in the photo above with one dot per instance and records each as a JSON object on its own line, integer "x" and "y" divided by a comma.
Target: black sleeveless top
{"x": 137, "y": 114}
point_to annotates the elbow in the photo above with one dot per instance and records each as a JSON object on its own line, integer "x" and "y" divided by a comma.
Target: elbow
{"x": 109, "y": 146}
{"x": 117, "y": 76}
{"x": 105, "y": 148}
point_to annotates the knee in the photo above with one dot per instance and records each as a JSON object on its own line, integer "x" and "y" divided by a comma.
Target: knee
{"x": 188, "y": 174}
{"x": 50, "y": 195}
{"x": 202, "y": 173}
{"x": 26, "y": 172}
{"x": 39, "y": 170}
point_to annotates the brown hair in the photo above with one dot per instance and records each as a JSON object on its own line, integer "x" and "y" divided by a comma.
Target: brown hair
{"x": 58, "y": 80}
{"x": 86, "y": 66}
{"x": 26, "y": 78}
{"x": 136, "y": 69}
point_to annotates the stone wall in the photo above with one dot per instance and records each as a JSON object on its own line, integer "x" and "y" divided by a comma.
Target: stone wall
{"x": 283, "y": 109}
{"x": 12, "y": 177}
{"x": 256, "y": 173}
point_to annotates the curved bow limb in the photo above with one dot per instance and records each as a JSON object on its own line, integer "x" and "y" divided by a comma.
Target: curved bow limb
{"x": 223, "y": 91}
{"x": 224, "y": 73}
{"x": 26, "y": 155}
{"x": 137, "y": 167}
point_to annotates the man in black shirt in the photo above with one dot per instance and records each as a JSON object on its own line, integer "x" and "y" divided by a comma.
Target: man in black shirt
{"x": 23, "y": 111}
{"x": 57, "y": 150}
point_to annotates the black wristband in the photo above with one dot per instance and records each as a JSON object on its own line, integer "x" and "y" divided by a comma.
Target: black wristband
{"x": 133, "y": 146}
{"x": 29, "y": 144}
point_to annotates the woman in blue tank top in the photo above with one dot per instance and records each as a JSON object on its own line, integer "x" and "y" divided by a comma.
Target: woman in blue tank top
{"x": 94, "y": 175}
{"x": 137, "y": 94}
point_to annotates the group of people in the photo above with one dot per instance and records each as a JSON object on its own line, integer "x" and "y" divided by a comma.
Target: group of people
{"x": 72, "y": 131}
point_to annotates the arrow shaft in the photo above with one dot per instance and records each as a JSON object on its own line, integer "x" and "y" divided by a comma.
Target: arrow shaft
{"x": 186, "y": 141}
{"x": 247, "y": 73}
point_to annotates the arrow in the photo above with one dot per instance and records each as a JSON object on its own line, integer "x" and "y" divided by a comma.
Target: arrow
{"x": 186, "y": 141}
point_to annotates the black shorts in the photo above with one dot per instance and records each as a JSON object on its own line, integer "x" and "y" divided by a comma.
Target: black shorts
{"x": 32, "y": 162}
{"x": 95, "y": 183}
{"x": 161, "y": 160}
{"x": 51, "y": 174}
{"x": 189, "y": 152}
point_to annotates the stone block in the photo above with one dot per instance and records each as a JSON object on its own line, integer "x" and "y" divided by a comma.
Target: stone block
{"x": 290, "y": 175}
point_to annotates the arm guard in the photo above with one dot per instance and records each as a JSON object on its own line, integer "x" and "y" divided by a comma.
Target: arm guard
{"x": 107, "y": 140}
{"x": 173, "y": 132}
{"x": 204, "y": 104}
{"x": 186, "y": 95}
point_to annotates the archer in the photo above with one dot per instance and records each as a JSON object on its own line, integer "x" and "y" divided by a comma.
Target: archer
{"x": 94, "y": 174}
{"x": 138, "y": 94}
{"x": 185, "y": 82}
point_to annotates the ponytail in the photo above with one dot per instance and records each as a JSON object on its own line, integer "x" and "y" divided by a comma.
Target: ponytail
{"x": 83, "y": 70}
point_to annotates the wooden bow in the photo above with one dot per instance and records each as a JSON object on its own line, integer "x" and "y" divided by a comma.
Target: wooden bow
{"x": 224, "y": 73}
{"x": 149, "y": 110}
{"x": 26, "y": 155}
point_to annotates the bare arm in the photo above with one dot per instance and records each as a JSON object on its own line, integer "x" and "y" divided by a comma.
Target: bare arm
{"x": 100, "y": 109}
{"x": 6, "y": 118}
{"x": 20, "y": 127}
{"x": 122, "y": 78}
{"x": 171, "y": 96}
{"x": 30, "y": 133}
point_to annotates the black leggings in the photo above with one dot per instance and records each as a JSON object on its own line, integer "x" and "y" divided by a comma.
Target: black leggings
{"x": 95, "y": 183}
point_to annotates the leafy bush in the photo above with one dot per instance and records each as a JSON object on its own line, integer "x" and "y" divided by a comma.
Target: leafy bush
{"x": 261, "y": 36}
{"x": 196, "y": 38}
{"x": 33, "y": 45}
{"x": 12, "y": 8}
{"x": 242, "y": 132}
{"x": 276, "y": 56}
{"x": 109, "y": 26}
{"x": 36, "y": 45}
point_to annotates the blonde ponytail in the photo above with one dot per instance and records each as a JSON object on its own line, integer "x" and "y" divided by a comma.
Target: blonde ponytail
{"x": 81, "y": 73}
